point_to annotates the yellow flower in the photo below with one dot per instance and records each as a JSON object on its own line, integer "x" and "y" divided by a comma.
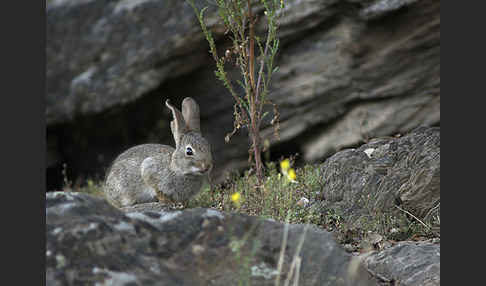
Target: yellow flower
{"x": 285, "y": 165}
{"x": 291, "y": 175}
{"x": 236, "y": 198}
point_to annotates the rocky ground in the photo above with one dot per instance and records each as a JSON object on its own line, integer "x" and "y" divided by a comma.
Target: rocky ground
{"x": 91, "y": 242}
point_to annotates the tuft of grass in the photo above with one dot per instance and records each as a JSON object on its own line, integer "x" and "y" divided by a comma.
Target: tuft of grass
{"x": 285, "y": 192}
{"x": 91, "y": 187}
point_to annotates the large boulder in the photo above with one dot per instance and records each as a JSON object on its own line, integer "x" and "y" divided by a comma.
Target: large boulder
{"x": 387, "y": 175}
{"x": 349, "y": 71}
{"x": 90, "y": 242}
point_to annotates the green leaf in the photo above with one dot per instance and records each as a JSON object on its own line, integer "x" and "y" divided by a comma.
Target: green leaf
{"x": 264, "y": 114}
{"x": 241, "y": 84}
{"x": 201, "y": 13}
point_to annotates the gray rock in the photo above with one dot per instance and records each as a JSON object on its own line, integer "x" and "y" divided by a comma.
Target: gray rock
{"x": 105, "y": 53}
{"x": 153, "y": 207}
{"x": 382, "y": 174}
{"x": 407, "y": 263}
{"x": 90, "y": 242}
{"x": 349, "y": 71}
{"x": 382, "y": 7}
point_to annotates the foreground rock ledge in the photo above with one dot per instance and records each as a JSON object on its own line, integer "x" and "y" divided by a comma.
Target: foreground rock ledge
{"x": 90, "y": 242}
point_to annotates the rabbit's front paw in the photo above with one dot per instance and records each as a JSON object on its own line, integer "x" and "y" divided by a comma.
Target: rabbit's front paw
{"x": 163, "y": 198}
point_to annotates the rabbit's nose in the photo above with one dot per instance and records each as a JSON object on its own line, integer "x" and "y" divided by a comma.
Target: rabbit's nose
{"x": 206, "y": 166}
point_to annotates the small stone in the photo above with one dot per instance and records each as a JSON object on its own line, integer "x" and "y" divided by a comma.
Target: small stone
{"x": 205, "y": 223}
{"x": 369, "y": 151}
{"x": 349, "y": 248}
{"x": 197, "y": 249}
{"x": 303, "y": 202}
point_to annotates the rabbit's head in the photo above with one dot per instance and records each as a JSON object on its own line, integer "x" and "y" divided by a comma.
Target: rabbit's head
{"x": 193, "y": 152}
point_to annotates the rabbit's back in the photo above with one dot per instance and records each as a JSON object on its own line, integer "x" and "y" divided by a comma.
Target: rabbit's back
{"x": 124, "y": 185}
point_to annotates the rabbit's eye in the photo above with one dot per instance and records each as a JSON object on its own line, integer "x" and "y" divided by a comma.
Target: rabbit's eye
{"x": 189, "y": 151}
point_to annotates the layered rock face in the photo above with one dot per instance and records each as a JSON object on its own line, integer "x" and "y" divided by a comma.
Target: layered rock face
{"x": 348, "y": 71}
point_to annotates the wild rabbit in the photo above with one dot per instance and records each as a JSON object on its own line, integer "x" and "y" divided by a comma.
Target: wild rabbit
{"x": 151, "y": 172}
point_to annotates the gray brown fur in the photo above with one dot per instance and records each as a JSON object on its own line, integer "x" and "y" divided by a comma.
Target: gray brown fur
{"x": 148, "y": 172}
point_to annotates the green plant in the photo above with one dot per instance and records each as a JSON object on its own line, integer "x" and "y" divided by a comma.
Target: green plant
{"x": 67, "y": 184}
{"x": 239, "y": 21}
{"x": 92, "y": 188}
{"x": 281, "y": 196}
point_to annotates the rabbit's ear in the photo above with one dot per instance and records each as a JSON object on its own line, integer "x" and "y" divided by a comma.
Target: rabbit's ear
{"x": 177, "y": 125}
{"x": 190, "y": 111}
